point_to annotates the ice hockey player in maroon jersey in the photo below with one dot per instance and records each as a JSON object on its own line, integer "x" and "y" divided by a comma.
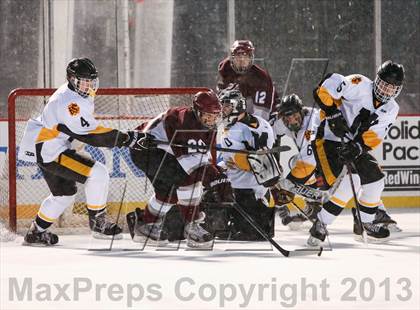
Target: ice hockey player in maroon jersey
{"x": 254, "y": 82}
{"x": 179, "y": 174}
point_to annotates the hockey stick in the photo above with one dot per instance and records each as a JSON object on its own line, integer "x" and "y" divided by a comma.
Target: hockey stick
{"x": 276, "y": 149}
{"x": 356, "y": 201}
{"x": 286, "y": 253}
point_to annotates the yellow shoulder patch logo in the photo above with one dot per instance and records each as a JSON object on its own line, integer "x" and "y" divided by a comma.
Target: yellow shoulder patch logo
{"x": 356, "y": 80}
{"x": 74, "y": 109}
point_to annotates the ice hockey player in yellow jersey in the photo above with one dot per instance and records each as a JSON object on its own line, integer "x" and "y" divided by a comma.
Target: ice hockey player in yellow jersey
{"x": 47, "y": 141}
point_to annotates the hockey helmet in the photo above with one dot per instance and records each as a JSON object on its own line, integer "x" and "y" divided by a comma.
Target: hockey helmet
{"x": 83, "y": 76}
{"x": 234, "y": 104}
{"x": 290, "y": 111}
{"x": 207, "y": 108}
{"x": 389, "y": 81}
{"x": 242, "y": 56}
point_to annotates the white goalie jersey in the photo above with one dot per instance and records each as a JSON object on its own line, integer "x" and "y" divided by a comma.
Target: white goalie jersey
{"x": 250, "y": 133}
{"x": 368, "y": 119}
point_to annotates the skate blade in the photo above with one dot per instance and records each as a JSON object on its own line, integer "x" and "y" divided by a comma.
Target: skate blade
{"x": 200, "y": 245}
{"x": 314, "y": 242}
{"x": 369, "y": 239}
{"x": 393, "y": 228}
{"x": 100, "y": 236}
{"x": 149, "y": 241}
{"x": 39, "y": 245}
{"x": 299, "y": 226}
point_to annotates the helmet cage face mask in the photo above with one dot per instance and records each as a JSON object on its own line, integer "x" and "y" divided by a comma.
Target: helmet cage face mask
{"x": 233, "y": 108}
{"x": 207, "y": 109}
{"x": 242, "y": 61}
{"x": 385, "y": 91}
{"x": 85, "y": 87}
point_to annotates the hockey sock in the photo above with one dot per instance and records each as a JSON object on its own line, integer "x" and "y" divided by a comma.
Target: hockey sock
{"x": 329, "y": 212}
{"x": 367, "y": 214}
{"x": 94, "y": 212}
{"x": 41, "y": 224}
{"x": 149, "y": 217}
{"x": 189, "y": 213}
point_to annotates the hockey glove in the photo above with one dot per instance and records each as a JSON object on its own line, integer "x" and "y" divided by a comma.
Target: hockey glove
{"x": 338, "y": 124}
{"x": 350, "y": 151}
{"x": 222, "y": 189}
{"x": 281, "y": 196}
{"x": 139, "y": 141}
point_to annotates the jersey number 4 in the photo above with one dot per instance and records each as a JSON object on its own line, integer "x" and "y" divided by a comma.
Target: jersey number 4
{"x": 84, "y": 122}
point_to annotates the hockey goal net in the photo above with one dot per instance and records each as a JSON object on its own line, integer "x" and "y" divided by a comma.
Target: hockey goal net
{"x": 22, "y": 187}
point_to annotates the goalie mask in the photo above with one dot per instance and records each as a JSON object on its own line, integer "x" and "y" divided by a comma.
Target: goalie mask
{"x": 290, "y": 111}
{"x": 242, "y": 56}
{"x": 207, "y": 108}
{"x": 83, "y": 76}
{"x": 233, "y": 103}
{"x": 388, "y": 81}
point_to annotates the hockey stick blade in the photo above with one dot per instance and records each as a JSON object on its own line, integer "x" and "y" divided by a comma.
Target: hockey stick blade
{"x": 282, "y": 148}
{"x": 306, "y": 252}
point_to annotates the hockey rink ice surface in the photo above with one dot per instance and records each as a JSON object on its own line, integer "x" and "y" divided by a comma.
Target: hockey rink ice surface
{"x": 231, "y": 276}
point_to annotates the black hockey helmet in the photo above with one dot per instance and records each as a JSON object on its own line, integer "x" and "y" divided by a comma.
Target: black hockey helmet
{"x": 289, "y": 104}
{"x": 290, "y": 111}
{"x": 233, "y": 103}
{"x": 389, "y": 81}
{"x": 83, "y": 76}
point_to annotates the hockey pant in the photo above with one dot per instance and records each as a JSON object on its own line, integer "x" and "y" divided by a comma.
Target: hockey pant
{"x": 367, "y": 176}
{"x": 61, "y": 177}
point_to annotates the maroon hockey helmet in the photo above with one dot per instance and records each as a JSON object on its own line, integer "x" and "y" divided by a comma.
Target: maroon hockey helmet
{"x": 207, "y": 108}
{"x": 242, "y": 55}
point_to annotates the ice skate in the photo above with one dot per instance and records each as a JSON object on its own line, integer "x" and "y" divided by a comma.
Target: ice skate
{"x": 196, "y": 235}
{"x": 102, "y": 228}
{"x": 384, "y": 219}
{"x": 34, "y": 237}
{"x": 375, "y": 233}
{"x": 153, "y": 233}
{"x": 318, "y": 233}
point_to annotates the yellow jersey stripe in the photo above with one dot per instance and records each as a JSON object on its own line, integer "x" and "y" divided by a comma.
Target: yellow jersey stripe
{"x": 241, "y": 161}
{"x": 302, "y": 169}
{"x": 47, "y": 134}
{"x": 371, "y": 139}
{"x": 329, "y": 175}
